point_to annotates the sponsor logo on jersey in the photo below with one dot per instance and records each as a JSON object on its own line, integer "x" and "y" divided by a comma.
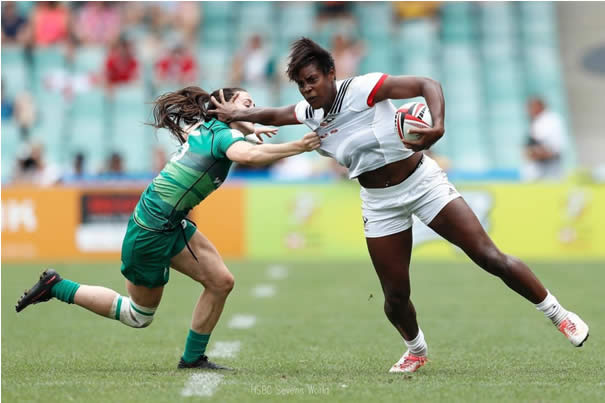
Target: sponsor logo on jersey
{"x": 329, "y": 119}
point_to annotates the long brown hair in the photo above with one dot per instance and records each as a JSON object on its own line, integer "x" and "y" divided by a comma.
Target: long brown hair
{"x": 187, "y": 106}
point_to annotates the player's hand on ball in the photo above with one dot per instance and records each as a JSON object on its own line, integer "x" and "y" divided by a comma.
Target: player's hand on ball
{"x": 267, "y": 131}
{"x": 224, "y": 110}
{"x": 426, "y": 137}
{"x": 310, "y": 141}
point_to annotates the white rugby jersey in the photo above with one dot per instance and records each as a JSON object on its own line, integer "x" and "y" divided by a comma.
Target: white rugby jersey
{"x": 358, "y": 133}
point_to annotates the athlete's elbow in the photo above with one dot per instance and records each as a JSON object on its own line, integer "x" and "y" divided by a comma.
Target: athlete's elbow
{"x": 254, "y": 158}
{"x": 431, "y": 83}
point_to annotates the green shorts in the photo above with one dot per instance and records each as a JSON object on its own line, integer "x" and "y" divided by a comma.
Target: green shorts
{"x": 146, "y": 254}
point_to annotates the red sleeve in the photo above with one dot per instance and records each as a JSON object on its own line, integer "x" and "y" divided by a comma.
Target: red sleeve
{"x": 375, "y": 89}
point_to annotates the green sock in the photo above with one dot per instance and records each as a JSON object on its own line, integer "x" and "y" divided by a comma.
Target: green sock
{"x": 65, "y": 290}
{"x": 195, "y": 346}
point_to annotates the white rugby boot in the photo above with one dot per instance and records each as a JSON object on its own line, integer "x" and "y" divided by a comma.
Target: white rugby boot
{"x": 574, "y": 328}
{"x": 408, "y": 363}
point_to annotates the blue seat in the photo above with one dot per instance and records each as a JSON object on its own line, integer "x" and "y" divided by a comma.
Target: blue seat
{"x": 10, "y": 147}
{"x": 496, "y": 21}
{"x": 46, "y": 61}
{"x": 220, "y": 11}
{"x": 134, "y": 138}
{"x": 295, "y": 20}
{"x": 14, "y": 71}
{"x": 457, "y": 23}
{"x": 216, "y": 34}
{"x": 89, "y": 128}
{"x": 468, "y": 149}
{"x": 89, "y": 59}
{"x": 378, "y": 58}
{"x": 503, "y": 81}
{"x": 215, "y": 64}
{"x": 375, "y": 20}
{"x": 256, "y": 10}
{"x": 261, "y": 94}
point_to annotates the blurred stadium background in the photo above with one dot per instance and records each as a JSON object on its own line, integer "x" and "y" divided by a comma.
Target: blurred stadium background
{"x": 77, "y": 82}
{"x": 74, "y": 92}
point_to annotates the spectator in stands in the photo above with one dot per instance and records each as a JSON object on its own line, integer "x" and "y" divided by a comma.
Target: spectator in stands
{"x": 25, "y": 113}
{"x": 98, "y": 23}
{"x": 330, "y": 10}
{"x": 160, "y": 15}
{"x": 32, "y": 167}
{"x": 253, "y": 63}
{"x": 115, "y": 165}
{"x": 50, "y": 23}
{"x": 132, "y": 14}
{"x": 121, "y": 65}
{"x": 347, "y": 54}
{"x": 408, "y": 10}
{"x": 14, "y": 26}
{"x": 77, "y": 171}
{"x": 79, "y": 164}
{"x": 187, "y": 20}
{"x": 545, "y": 143}
{"x": 7, "y": 105}
{"x": 177, "y": 66}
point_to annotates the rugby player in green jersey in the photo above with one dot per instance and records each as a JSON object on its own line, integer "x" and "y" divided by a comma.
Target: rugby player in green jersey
{"x": 159, "y": 236}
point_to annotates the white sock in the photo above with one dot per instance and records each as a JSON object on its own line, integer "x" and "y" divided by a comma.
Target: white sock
{"x": 552, "y": 309}
{"x": 417, "y": 346}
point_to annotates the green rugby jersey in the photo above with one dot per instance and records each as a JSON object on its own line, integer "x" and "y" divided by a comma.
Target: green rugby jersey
{"x": 199, "y": 168}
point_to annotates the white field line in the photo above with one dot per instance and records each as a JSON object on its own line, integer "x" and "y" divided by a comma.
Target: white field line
{"x": 206, "y": 383}
{"x": 242, "y": 321}
{"x": 202, "y": 384}
{"x": 224, "y": 349}
{"x": 277, "y": 272}
{"x": 263, "y": 291}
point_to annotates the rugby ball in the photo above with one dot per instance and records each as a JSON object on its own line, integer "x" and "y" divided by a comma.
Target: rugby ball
{"x": 412, "y": 115}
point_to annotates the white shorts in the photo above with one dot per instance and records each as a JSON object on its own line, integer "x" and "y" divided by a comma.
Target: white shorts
{"x": 424, "y": 193}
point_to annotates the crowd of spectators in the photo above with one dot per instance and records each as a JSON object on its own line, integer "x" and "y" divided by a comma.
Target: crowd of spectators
{"x": 133, "y": 35}
{"x": 160, "y": 41}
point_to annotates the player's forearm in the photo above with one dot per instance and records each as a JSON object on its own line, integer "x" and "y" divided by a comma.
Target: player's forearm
{"x": 433, "y": 94}
{"x": 265, "y": 116}
{"x": 264, "y": 154}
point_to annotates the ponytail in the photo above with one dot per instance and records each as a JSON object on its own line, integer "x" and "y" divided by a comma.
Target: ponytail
{"x": 183, "y": 107}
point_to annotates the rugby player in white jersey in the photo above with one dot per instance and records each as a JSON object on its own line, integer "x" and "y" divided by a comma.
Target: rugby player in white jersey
{"x": 354, "y": 119}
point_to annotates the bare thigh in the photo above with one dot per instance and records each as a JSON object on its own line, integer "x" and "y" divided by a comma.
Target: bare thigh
{"x": 209, "y": 268}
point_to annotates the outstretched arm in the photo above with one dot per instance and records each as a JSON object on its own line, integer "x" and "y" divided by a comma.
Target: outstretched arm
{"x": 403, "y": 87}
{"x": 227, "y": 112}
{"x": 264, "y": 154}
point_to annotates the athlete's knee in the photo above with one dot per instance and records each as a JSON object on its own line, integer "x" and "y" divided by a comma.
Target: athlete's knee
{"x": 129, "y": 313}
{"x": 220, "y": 284}
{"x": 495, "y": 262}
{"x": 396, "y": 300}
{"x": 225, "y": 283}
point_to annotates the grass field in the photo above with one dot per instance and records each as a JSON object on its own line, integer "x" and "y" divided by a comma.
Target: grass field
{"x": 321, "y": 337}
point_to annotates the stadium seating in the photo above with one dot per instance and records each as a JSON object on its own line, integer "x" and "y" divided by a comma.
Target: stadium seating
{"x": 14, "y": 71}
{"x": 10, "y": 147}
{"x": 488, "y": 56}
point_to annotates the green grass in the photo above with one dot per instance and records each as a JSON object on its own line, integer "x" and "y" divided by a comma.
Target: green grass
{"x": 324, "y": 328}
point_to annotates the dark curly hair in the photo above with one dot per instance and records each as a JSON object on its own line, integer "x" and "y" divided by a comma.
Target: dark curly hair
{"x": 304, "y": 52}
